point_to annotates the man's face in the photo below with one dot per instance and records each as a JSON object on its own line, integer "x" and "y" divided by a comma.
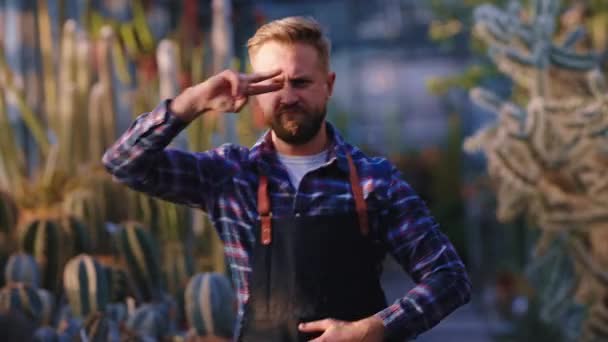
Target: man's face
{"x": 296, "y": 112}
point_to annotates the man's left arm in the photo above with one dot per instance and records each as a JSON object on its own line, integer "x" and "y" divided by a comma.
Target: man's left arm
{"x": 415, "y": 241}
{"x": 426, "y": 254}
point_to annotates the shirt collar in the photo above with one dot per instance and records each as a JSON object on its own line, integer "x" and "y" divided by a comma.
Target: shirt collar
{"x": 264, "y": 153}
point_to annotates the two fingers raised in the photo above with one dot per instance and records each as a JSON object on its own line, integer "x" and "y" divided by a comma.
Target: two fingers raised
{"x": 243, "y": 85}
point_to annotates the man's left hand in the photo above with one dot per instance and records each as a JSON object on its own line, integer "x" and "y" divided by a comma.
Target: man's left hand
{"x": 370, "y": 329}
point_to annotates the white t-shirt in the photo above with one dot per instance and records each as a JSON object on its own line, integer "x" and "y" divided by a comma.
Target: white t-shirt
{"x": 298, "y": 166}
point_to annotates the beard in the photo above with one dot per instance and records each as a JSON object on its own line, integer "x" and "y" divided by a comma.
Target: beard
{"x": 295, "y": 124}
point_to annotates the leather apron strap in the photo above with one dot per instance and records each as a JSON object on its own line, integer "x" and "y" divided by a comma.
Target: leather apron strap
{"x": 266, "y": 215}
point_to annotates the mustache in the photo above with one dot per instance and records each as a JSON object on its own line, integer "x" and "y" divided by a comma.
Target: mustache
{"x": 291, "y": 109}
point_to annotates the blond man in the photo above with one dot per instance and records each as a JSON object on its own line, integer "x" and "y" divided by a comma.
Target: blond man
{"x": 306, "y": 218}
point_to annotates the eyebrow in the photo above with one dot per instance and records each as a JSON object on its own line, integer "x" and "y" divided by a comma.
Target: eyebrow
{"x": 299, "y": 78}
{"x": 291, "y": 79}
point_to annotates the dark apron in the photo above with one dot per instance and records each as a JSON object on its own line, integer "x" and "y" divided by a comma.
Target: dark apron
{"x": 310, "y": 268}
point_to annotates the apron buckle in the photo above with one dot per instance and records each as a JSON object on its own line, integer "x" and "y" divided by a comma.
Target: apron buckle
{"x": 266, "y": 228}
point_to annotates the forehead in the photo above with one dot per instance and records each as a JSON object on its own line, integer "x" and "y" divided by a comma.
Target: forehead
{"x": 297, "y": 58}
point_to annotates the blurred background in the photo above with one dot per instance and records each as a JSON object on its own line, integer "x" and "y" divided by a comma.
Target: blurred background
{"x": 494, "y": 110}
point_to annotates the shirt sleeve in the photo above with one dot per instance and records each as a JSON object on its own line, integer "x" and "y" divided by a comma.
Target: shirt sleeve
{"x": 425, "y": 253}
{"x": 140, "y": 160}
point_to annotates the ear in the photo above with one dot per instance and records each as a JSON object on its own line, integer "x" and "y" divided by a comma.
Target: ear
{"x": 331, "y": 79}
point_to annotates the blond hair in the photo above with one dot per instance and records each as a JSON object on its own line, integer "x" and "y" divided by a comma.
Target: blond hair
{"x": 291, "y": 30}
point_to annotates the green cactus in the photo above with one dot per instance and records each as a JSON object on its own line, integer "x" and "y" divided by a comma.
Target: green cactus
{"x": 177, "y": 266}
{"x": 140, "y": 252}
{"x": 117, "y": 283}
{"x": 41, "y": 238}
{"x": 100, "y": 328}
{"x": 22, "y": 268}
{"x": 8, "y": 213}
{"x": 48, "y": 305}
{"x": 148, "y": 321}
{"x": 78, "y": 235}
{"x": 547, "y": 159}
{"x": 46, "y": 334}
{"x": 86, "y": 286}
{"x": 21, "y": 297}
{"x": 117, "y": 312}
{"x": 210, "y": 305}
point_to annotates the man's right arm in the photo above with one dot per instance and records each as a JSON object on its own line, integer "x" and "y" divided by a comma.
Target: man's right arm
{"x": 140, "y": 160}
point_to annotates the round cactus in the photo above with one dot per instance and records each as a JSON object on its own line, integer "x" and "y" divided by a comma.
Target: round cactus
{"x": 23, "y": 298}
{"x": 77, "y": 234}
{"x": 117, "y": 311}
{"x": 22, "y": 268}
{"x": 42, "y": 238}
{"x": 68, "y": 327}
{"x": 46, "y": 334}
{"x": 48, "y": 304}
{"x": 148, "y": 321}
{"x": 117, "y": 283}
{"x": 140, "y": 252}
{"x": 86, "y": 286}
{"x": 99, "y": 327}
{"x": 210, "y": 305}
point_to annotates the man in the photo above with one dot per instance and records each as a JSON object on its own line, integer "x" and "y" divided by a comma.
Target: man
{"x": 305, "y": 218}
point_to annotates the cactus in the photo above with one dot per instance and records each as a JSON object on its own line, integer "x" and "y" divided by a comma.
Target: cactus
{"x": 117, "y": 283}
{"x": 177, "y": 266}
{"x": 85, "y": 285}
{"x": 22, "y": 268}
{"x": 140, "y": 252}
{"x": 42, "y": 238}
{"x": 148, "y": 321}
{"x": 8, "y": 213}
{"x": 77, "y": 234}
{"x": 100, "y": 328}
{"x": 48, "y": 305}
{"x": 210, "y": 305}
{"x": 117, "y": 312}
{"x": 548, "y": 158}
{"x": 21, "y": 297}
{"x": 46, "y": 334}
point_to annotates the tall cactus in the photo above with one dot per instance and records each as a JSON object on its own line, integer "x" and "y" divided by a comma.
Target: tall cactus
{"x": 177, "y": 266}
{"x": 22, "y": 268}
{"x": 86, "y": 286}
{"x": 548, "y": 159}
{"x": 8, "y": 213}
{"x": 210, "y": 305}
{"x": 21, "y": 297}
{"x": 140, "y": 252}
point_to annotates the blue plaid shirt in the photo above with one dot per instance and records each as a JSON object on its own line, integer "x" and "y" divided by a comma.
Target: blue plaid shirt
{"x": 223, "y": 182}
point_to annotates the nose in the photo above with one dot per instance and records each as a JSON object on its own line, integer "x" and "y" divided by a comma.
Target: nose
{"x": 288, "y": 95}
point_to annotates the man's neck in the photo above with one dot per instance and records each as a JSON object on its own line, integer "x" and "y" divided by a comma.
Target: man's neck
{"x": 316, "y": 145}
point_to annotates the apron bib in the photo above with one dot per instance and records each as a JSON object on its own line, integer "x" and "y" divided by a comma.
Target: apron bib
{"x": 307, "y": 268}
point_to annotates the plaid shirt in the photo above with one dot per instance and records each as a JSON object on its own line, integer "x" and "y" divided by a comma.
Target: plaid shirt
{"x": 223, "y": 182}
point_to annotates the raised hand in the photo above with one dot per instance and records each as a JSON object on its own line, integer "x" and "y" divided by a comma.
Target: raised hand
{"x": 227, "y": 91}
